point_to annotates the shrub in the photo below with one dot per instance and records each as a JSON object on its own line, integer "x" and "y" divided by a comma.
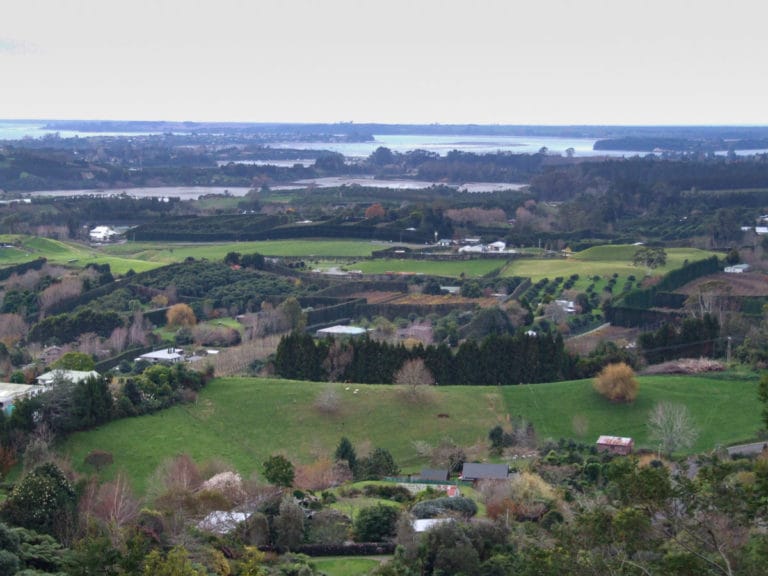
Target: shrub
{"x": 375, "y": 523}
{"x": 617, "y": 382}
{"x": 443, "y": 506}
{"x": 388, "y": 492}
{"x": 180, "y": 315}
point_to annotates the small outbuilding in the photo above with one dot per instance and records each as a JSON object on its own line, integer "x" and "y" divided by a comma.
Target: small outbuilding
{"x": 615, "y": 445}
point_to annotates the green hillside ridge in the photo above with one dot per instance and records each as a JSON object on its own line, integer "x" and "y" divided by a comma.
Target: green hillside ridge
{"x": 600, "y": 261}
{"x": 244, "y": 420}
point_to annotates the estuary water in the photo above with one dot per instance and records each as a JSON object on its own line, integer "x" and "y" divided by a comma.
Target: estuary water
{"x": 440, "y": 144}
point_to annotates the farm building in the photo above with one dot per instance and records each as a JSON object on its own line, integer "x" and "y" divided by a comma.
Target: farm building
{"x": 615, "y": 445}
{"x": 102, "y": 234}
{"x": 472, "y": 471}
{"x": 73, "y": 376}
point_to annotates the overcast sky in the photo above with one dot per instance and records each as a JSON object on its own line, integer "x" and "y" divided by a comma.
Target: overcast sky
{"x": 393, "y": 61}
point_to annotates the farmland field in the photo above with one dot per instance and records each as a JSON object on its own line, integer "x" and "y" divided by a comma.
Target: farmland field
{"x": 471, "y": 268}
{"x": 27, "y": 248}
{"x": 244, "y": 420}
{"x": 599, "y": 261}
{"x": 174, "y": 252}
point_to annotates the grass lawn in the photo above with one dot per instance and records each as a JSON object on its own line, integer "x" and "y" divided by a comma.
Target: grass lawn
{"x": 245, "y": 420}
{"x": 346, "y": 565}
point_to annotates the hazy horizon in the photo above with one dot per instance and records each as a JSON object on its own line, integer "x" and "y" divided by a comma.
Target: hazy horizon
{"x": 494, "y": 62}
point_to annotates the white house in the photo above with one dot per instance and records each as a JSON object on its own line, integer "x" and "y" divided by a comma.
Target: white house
{"x": 73, "y": 376}
{"x": 423, "y": 524}
{"x": 164, "y": 356}
{"x": 472, "y": 248}
{"x": 737, "y": 269}
{"x": 9, "y": 393}
{"x": 222, "y": 522}
{"x": 102, "y": 234}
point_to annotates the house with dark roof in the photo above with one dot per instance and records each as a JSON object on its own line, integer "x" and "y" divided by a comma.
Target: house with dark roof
{"x": 433, "y": 475}
{"x": 473, "y": 471}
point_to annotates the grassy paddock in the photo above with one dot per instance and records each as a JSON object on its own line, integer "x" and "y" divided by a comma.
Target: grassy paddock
{"x": 175, "y": 252}
{"x": 472, "y": 268}
{"x": 346, "y": 565}
{"x": 600, "y": 261}
{"x": 244, "y": 420}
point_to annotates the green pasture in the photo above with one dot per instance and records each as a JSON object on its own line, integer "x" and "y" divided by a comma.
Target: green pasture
{"x": 244, "y": 420}
{"x": 175, "y": 252}
{"x": 603, "y": 261}
{"x": 142, "y": 256}
{"x": 67, "y": 253}
{"x": 470, "y": 268}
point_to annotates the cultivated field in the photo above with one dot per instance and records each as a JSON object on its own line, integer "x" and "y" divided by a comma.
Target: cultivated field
{"x": 244, "y": 420}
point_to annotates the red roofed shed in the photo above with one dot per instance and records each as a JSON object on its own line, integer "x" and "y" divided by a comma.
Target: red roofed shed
{"x": 615, "y": 445}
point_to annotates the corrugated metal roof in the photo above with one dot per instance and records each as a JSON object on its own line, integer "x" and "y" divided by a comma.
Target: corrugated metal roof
{"x": 614, "y": 441}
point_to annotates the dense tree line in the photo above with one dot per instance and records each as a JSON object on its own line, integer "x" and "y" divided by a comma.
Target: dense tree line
{"x": 691, "y": 338}
{"x": 67, "y": 327}
{"x": 498, "y": 359}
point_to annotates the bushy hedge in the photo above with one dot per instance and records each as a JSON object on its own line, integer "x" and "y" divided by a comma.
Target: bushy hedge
{"x": 442, "y": 506}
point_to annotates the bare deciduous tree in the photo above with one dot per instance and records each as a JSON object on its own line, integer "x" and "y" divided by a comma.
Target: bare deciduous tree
{"x": 414, "y": 373}
{"x": 118, "y": 340}
{"x": 68, "y": 287}
{"x": 340, "y": 356}
{"x": 672, "y": 427}
{"x": 116, "y": 506}
{"x": 137, "y": 334}
{"x": 12, "y": 327}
